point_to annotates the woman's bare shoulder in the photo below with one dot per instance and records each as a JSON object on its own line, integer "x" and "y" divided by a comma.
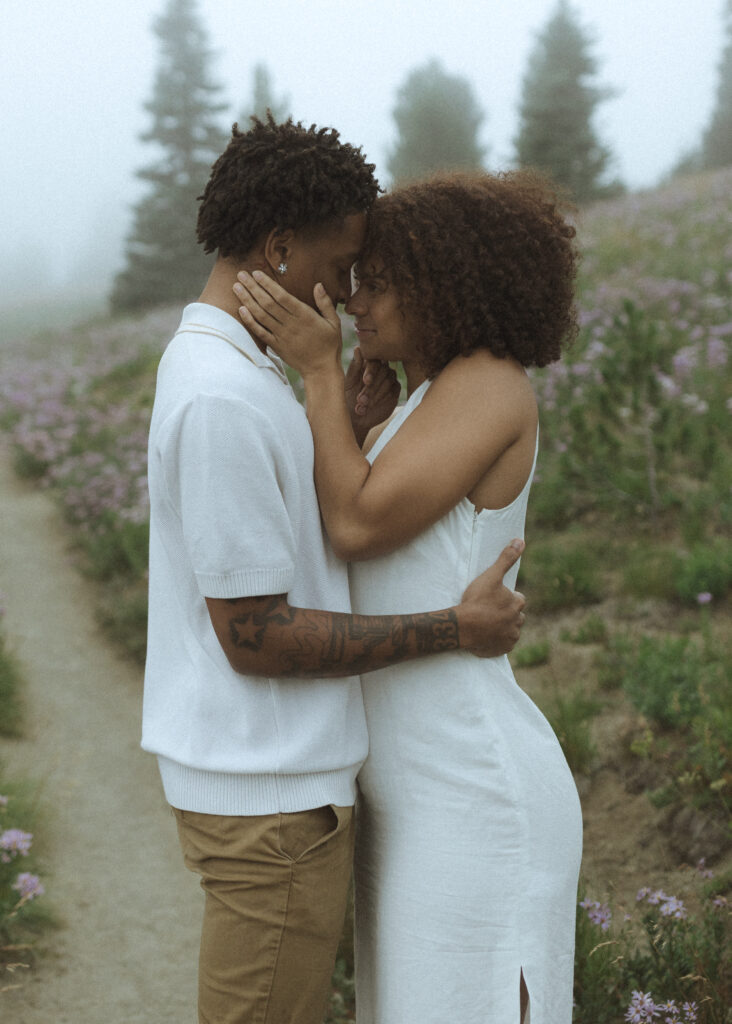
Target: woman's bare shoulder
{"x": 479, "y": 375}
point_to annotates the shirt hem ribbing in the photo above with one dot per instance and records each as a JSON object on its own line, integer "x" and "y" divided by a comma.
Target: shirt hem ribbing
{"x": 191, "y": 789}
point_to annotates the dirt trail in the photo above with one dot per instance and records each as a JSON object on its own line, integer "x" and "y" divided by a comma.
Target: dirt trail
{"x": 126, "y": 952}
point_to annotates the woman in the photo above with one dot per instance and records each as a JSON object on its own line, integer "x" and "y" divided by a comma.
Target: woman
{"x": 469, "y": 836}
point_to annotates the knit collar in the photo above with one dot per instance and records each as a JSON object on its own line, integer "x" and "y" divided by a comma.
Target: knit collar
{"x": 200, "y": 316}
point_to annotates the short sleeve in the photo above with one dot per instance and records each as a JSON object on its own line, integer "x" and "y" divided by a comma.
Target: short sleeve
{"x": 227, "y": 473}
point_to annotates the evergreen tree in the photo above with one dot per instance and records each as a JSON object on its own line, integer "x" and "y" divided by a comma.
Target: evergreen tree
{"x": 437, "y": 116}
{"x": 263, "y": 99}
{"x": 717, "y": 144}
{"x": 163, "y": 260}
{"x": 558, "y": 101}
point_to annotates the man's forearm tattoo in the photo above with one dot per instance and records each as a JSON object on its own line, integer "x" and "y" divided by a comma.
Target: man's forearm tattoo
{"x": 320, "y": 643}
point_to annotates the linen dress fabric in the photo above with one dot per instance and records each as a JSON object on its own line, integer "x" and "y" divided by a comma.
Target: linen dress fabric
{"x": 469, "y": 829}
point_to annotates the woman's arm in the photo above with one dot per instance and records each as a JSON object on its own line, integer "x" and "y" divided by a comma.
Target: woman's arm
{"x": 474, "y": 412}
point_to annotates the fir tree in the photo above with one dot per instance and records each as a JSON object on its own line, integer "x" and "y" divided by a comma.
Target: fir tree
{"x": 263, "y": 99}
{"x": 717, "y": 144}
{"x": 163, "y": 261}
{"x": 437, "y": 116}
{"x": 558, "y": 101}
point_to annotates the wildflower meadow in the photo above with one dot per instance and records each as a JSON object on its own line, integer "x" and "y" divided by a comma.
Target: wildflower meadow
{"x": 628, "y": 569}
{"x": 20, "y": 886}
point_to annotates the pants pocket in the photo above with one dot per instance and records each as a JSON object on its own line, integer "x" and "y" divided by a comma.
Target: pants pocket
{"x": 305, "y": 831}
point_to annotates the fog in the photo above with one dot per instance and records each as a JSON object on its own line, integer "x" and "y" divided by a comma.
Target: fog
{"x": 74, "y": 77}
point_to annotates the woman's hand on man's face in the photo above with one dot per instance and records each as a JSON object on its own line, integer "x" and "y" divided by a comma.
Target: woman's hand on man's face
{"x": 308, "y": 340}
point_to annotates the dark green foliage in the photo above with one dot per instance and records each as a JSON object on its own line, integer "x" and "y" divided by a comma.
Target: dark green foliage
{"x": 11, "y": 705}
{"x": 570, "y": 719}
{"x": 558, "y": 102}
{"x": 705, "y": 569}
{"x": 163, "y": 262}
{"x": 124, "y": 618}
{"x": 437, "y": 116}
{"x": 593, "y": 630}
{"x": 717, "y": 143}
{"x": 598, "y": 994}
{"x": 116, "y": 548}
{"x": 662, "y": 678}
{"x": 562, "y": 578}
{"x": 648, "y": 571}
{"x": 531, "y": 655}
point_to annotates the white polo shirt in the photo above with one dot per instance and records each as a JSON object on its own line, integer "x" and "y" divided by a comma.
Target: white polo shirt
{"x": 233, "y": 513}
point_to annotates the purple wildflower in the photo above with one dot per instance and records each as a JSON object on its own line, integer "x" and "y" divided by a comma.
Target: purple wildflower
{"x": 685, "y": 361}
{"x": 598, "y": 913}
{"x": 704, "y": 598}
{"x": 14, "y": 841}
{"x": 701, "y": 865}
{"x": 716, "y": 353}
{"x": 641, "y": 1008}
{"x": 28, "y": 885}
{"x": 671, "y": 907}
{"x": 656, "y": 897}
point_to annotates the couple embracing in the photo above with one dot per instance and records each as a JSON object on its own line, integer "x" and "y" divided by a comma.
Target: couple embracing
{"x": 331, "y": 592}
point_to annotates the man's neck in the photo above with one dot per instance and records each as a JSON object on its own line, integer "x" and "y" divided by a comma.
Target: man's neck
{"x": 218, "y": 289}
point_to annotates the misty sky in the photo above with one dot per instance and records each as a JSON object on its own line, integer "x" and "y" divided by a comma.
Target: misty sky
{"x": 74, "y": 75}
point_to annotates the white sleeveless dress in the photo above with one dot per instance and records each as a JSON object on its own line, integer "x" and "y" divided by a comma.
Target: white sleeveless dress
{"x": 469, "y": 825}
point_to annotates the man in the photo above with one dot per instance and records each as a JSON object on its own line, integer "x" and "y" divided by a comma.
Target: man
{"x": 252, "y": 698}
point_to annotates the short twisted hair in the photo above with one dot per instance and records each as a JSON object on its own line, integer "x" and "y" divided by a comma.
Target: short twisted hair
{"x": 479, "y": 261}
{"x": 281, "y": 176}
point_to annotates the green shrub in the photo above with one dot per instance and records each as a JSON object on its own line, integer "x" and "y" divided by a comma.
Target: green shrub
{"x": 611, "y": 662}
{"x": 117, "y": 548}
{"x": 562, "y": 578}
{"x": 532, "y": 654}
{"x": 21, "y": 915}
{"x": 706, "y": 568}
{"x": 649, "y": 572}
{"x": 570, "y": 719}
{"x": 681, "y": 686}
{"x": 124, "y": 619}
{"x": 592, "y": 630}
{"x": 11, "y": 703}
{"x": 662, "y": 679}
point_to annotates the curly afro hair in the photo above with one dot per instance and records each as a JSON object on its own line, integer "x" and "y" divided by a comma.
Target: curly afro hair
{"x": 281, "y": 176}
{"x": 479, "y": 261}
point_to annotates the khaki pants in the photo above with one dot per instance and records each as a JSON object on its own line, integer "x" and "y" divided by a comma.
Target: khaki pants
{"x": 276, "y": 888}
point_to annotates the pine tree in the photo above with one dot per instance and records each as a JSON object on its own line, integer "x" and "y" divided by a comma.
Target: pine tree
{"x": 717, "y": 143}
{"x": 437, "y": 116}
{"x": 163, "y": 260}
{"x": 558, "y": 101}
{"x": 263, "y": 99}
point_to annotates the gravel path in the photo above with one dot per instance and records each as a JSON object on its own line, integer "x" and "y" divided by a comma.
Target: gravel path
{"x": 127, "y": 949}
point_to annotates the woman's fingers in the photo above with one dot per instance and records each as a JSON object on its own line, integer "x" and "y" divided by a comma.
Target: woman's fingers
{"x": 268, "y": 291}
{"x": 325, "y": 306}
{"x": 264, "y": 308}
{"x": 254, "y": 327}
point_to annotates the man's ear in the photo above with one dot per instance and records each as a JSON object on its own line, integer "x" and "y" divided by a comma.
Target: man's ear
{"x": 277, "y": 249}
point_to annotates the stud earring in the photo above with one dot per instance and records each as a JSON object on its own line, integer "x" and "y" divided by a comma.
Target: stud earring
{"x": 282, "y": 269}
